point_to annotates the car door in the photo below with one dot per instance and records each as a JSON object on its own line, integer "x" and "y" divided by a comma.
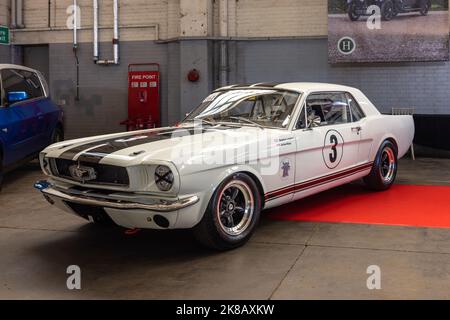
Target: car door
{"x": 20, "y": 125}
{"x": 45, "y": 111}
{"x": 6, "y": 138}
{"x": 275, "y": 147}
{"x": 327, "y": 142}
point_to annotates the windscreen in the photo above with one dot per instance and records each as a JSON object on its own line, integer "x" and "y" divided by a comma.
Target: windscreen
{"x": 263, "y": 107}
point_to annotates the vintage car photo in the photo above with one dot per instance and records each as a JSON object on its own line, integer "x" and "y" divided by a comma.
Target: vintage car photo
{"x": 387, "y": 31}
{"x": 388, "y": 8}
{"x": 325, "y": 136}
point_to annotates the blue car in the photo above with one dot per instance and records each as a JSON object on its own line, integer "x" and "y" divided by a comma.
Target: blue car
{"x": 29, "y": 120}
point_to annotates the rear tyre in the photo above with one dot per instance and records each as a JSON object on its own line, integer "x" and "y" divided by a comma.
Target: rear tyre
{"x": 387, "y": 10}
{"x": 384, "y": 170}
{"x": 232, "y": 214}
{"x": 352, "y": 12}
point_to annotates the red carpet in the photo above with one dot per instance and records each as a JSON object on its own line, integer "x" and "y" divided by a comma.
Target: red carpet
{"x": 403, "y": 205}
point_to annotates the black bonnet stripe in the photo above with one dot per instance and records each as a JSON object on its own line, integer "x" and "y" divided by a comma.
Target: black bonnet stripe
{"x": 96, "y": 151}
{"x": 71, "y": 153}
{"x": 97, "y": 154}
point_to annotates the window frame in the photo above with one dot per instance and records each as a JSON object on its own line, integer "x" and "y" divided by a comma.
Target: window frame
{"x": 328, "y": 92}
{"x": 18, "y": 70}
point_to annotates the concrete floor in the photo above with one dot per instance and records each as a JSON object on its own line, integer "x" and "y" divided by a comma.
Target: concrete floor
{"x": 284, "y": 260}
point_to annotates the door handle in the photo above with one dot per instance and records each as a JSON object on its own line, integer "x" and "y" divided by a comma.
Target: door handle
{"x": 357, "y": 129}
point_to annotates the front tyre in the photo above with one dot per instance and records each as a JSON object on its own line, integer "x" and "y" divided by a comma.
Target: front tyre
{"x": 352, "y": 12}
{"x": 384, "y": 170}
{"x": 232, "y": 214}
{"x": 425, "y": 7}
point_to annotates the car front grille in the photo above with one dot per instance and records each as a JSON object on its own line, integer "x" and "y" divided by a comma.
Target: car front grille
{"x": 106, "y": 174}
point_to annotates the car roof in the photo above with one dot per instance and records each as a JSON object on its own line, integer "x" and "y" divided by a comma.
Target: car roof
{"x": 295, "y": 86}
{"x": 15, "y": 66}
{"x": 307, "y": 88}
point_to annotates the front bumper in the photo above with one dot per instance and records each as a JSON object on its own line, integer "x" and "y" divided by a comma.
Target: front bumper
{"x": 79, "y": 197}
{"x": 126, "y": 210}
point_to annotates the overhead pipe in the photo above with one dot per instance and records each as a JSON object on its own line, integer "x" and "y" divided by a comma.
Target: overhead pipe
{"x": 19, "y": 14}
{"x": 75, "y": 47}
{"x": 116, "y": 59}
{"x": 95, "y": 6}
{"x": 13, "y": 14}
{"x": 223, "y": 24}
{"x": 49, "y": 13}
{"x": 75, "y": 25}
{"x": 116, "y": 32}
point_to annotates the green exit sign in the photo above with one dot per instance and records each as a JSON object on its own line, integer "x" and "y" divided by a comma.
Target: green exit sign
{"x": 4, "y": 35}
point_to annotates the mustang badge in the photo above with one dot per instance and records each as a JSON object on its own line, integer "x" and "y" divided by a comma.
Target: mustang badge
{"x": 82, "y": 174}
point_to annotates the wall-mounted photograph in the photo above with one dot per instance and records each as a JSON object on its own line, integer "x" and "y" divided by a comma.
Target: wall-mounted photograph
{"x": 388, "y": 30}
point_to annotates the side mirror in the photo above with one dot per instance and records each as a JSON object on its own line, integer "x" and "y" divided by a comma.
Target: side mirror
{"x": 16, "y": 96}
{"x": 313, "y": 121}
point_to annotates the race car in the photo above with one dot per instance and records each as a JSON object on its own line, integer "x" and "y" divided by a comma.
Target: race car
{"x": 244, "y": 149}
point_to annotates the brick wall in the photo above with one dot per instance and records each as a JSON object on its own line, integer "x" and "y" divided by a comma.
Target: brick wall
{"x": 4, "y": 12}
{"x": 4, "y": 21}
{"x": 132, "y": 12}
{"x": 281, "y": 18}
{"x": 247, "y": 18}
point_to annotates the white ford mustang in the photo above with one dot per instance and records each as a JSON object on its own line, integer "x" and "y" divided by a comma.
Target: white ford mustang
{"x": 244, "y": 149}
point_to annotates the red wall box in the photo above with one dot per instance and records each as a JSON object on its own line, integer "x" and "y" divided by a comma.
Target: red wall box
{"x": 143, "y": 96}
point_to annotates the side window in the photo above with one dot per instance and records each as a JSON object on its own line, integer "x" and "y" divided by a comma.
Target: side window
{"x": 357, "y": 113}
{"x": 21, "y": 85}
{"x": 327, "y": 108}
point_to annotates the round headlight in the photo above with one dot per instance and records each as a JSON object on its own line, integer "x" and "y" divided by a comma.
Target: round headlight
{"x": 164, "y": 178}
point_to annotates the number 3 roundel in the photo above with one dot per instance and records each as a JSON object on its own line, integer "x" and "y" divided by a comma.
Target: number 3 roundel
{"x": 333, "y": 149}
